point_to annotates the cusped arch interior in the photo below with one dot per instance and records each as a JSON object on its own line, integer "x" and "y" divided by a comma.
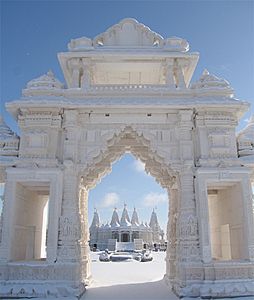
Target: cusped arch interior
{"x": 128, "y": 141}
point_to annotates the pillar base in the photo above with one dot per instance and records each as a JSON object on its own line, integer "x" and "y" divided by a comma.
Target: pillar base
{"x": 214, "y": 281}
{"x": 215, "y": 289}
{"x": 41, "y": 280}
{"x": 56, "y": 289}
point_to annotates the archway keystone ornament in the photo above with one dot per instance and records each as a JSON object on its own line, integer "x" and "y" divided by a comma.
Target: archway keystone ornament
{"x": 128, "y": 90}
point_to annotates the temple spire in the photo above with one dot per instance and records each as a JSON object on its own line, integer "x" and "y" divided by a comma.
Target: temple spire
{"x": 125, "y": 219}
{"x": 96, "y": 219}
{"x": 154, "y": 220}
{"x": 134, "y": 218}
{"x": 115, "y": 219}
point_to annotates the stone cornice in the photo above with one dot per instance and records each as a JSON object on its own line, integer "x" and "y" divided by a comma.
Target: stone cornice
{"x": 111, "y": 103}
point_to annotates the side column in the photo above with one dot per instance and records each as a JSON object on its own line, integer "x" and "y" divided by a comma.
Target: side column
{"x": 171, "y": 234}
{"x": 8, "y": 212}
{"x": 84, "y": 242}
{"x": 69, "y": 231}
{"x": 188, "y": 262}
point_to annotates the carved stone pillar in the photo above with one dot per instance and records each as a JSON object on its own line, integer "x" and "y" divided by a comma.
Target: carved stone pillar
{"x": 187, "y": 223}
{"x": 185, "y": 127}
{"x": 169, "y": 74}
{"x": 248, "y": 207}
{"x": 84, "y": 240}
{"x": 70, "y": 126}
{"x": 7, "y": 220}
{"x": 2, "y": 200}
{"x": 86, "y": 77}
{"x": 75, "y": 64}
{"x": 179, "y": 75}
{"x": 171, "y": 233}
{"x": 69, "y": 231}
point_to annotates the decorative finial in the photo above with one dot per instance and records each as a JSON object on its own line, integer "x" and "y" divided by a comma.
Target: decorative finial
{"x": 50, "y": 73}
{"x": 205, "y": 72}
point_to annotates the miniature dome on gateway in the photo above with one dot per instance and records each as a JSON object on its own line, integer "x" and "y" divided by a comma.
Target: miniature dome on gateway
{"x": 210, "y": 82}
{"x": 43, "y": 85}
{"x": 9, "y": 141}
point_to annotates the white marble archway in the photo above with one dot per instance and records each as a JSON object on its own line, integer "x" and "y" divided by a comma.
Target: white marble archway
{"x": 118, "y": 143}
{"x": 128, "y": 89}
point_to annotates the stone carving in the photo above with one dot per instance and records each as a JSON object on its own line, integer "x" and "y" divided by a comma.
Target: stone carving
{"x": 68, "y": 229}
{"x": 128, "y": 33}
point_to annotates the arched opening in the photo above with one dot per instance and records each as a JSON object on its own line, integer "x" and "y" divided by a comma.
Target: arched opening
{"x": 128, "y": 141}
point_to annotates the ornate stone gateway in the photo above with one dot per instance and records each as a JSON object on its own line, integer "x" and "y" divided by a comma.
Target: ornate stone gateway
{"x": 128, "y": 90}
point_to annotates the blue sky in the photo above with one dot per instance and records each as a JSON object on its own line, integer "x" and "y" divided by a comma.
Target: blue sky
{"x": 32, "y": 32}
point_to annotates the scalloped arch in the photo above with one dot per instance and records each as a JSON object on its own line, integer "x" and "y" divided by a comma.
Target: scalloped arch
{"x": 134, "y": 142}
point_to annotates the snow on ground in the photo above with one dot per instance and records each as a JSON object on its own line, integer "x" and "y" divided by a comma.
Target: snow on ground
{"x": 129, "y": 280}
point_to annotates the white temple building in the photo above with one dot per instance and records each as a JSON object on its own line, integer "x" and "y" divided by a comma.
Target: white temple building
{"x": 125, "y": 230}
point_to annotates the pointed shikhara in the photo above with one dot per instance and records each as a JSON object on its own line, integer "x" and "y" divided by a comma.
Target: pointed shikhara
{"x": 127, "y": 90}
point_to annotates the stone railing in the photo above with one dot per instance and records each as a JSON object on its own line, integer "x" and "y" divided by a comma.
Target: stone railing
{"x": 130, "y": 88}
